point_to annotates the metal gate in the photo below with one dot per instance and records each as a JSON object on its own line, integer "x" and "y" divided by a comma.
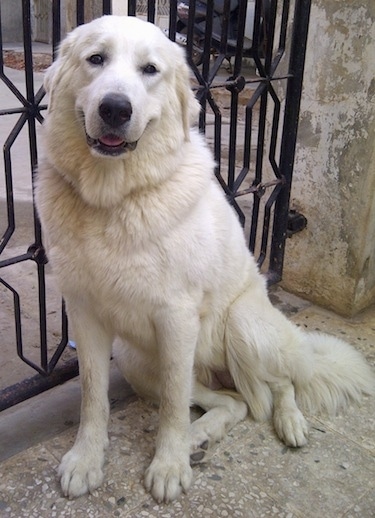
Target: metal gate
{"x": 247, "y": 61}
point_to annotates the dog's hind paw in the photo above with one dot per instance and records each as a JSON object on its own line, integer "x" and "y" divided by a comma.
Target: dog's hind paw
{"x": 80, "y": 473}
{"x": 291, "y": 427}
{"x": 199, "y": 454}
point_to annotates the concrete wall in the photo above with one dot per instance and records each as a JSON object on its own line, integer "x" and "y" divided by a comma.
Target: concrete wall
{"x": 11, "y": 15}
{"x": 332, "y": 262}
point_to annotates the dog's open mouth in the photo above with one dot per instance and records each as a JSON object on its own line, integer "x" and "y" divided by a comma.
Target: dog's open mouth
{"x": 110, "y": 145}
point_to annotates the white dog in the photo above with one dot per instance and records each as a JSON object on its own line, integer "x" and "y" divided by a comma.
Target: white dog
{"x": 145, "y": 248}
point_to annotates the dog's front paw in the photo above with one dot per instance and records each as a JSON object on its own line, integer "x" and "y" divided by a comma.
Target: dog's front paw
{"x": 80, "y": 472}
{"x": 291, "y": 427}
{"x": 165, "y": 479}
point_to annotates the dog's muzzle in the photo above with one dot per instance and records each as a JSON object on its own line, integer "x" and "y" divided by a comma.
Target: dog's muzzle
{"x": 115, "y": 111}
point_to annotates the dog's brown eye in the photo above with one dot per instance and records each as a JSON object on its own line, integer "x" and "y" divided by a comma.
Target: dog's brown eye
{"x": 96, "y": 59}
{"x": 149, "y": 69}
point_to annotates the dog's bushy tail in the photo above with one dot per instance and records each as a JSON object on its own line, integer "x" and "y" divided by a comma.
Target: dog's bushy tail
{"x": 264, "y": 353}
{"x": 340, "y": 375}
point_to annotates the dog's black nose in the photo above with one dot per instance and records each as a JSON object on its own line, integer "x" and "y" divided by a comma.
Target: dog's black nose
{"x": 115, "y": 109}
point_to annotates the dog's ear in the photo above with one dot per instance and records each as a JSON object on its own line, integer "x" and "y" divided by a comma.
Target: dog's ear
{"x": 56, "y": 73}
{"x": 190, "y": 107}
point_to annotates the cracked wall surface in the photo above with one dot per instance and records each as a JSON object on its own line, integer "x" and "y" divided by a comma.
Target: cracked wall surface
{"x": 332, "y": 262}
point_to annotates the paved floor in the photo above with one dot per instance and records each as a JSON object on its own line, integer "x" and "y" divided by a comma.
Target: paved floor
{"x": 249, "y": 474}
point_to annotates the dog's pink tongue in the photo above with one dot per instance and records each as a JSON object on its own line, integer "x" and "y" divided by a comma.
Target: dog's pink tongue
{"x": 111, "y": 140}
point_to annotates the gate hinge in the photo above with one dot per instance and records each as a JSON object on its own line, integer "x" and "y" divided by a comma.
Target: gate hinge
{"x": 296, "y": 222}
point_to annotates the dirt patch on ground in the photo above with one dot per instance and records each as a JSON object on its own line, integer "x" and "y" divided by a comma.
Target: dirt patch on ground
{"x": 15, "y": 59}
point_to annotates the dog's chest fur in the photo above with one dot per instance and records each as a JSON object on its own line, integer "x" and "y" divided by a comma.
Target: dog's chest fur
{"x": 122, "y": 261}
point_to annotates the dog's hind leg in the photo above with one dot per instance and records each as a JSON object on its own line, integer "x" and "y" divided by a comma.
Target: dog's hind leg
{"x": 265, "y": 358}
{"x": 289, "y": 422}
{"x": 222, "y": 412}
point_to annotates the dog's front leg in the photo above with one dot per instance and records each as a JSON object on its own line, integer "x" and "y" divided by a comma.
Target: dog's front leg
{"x": 81, "y": 468}
{"x": 170, "y": 471}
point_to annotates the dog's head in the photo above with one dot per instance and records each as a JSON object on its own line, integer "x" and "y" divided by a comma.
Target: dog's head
{"x": 121, "y": 80}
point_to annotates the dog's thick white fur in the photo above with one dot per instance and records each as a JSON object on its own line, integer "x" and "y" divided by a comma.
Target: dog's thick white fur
{"x": 145, "y": 248}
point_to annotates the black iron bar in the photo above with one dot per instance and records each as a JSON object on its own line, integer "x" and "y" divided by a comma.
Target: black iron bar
{"x": 13, "y": 89}
{"x": 224, "y": 28}
{"x": 56, "y": 27}
{"x": 274, "y": 131}
{"x": 172, "y": 20}
{"x": 107, "y": 7}
{"x": 289, "y": 135}
{"x": 80, "y": 14}
{"x": 240, "y": 38}
{"x": 37, "y": 384}
{"x": 63, "y": 342}
{"x": 260, "y": 188}
{"x": 9, "y": 180}
{"x": 132, "y": 7}
{"x": 269, "y": 24}
{"x": 282, "y": 39}
{"x": 151, "y": 11}
{"x": 15, "y": 260}
{"x": 267, "y": 221}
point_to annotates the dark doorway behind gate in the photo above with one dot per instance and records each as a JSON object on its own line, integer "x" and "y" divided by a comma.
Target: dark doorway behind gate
{"x": 247, "y": 60}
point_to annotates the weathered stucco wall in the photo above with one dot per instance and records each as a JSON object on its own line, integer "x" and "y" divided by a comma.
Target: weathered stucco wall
{"x": 332, "y": 262}
{"x": 11, "y": 14}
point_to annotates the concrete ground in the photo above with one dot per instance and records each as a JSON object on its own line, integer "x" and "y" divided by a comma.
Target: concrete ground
{"x": 249, "y": 474}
